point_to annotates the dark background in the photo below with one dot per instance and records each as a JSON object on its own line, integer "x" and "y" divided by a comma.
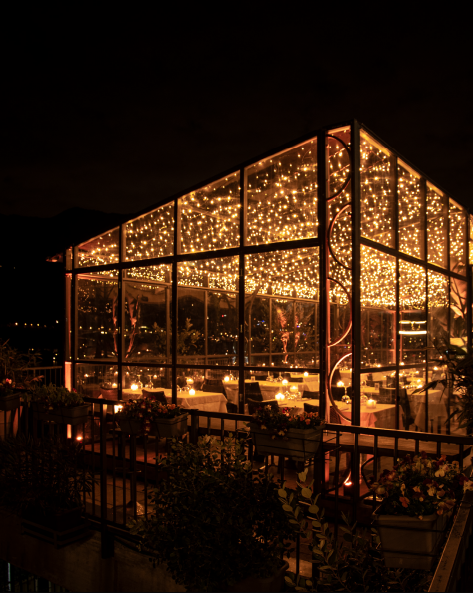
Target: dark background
{"x": 104, "y": 114}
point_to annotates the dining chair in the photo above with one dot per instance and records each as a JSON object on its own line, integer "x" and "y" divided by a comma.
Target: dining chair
{"x": 213, "y": 386}
{"x": 310, "y": 394}
{"x": 253, "y": 390}
{"x": 156, "y": 396}
{"x": 406, "y": 414}
{"x": 311, "y": 408}
{"x": 387, "y": 395}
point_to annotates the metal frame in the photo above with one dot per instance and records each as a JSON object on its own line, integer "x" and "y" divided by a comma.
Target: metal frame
{"x": 322, "y": 241}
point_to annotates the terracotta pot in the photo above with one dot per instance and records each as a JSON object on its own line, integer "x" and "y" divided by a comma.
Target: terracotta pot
{"x": 301, "y": 443}
{"x": 73, "y": 416}
{"x": 274, "y": 583}
{"x": 10, "y": 402}
{"x": 170, "y": 427}
{"x": 408, "y": 542}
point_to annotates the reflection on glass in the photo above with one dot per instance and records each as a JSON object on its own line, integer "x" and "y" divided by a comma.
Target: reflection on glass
{"x": 150, "y": 235}
{"x": 210, "y": 216}
{"x": 147, "y": 328}
{"x": 413, "y": 322}
{"x": 437, "y": 225}
{"x": 281, "y": 308}
{"x": 458, "y": 312}
{"x": 337, "y": 144}
{"x": 100, "y": 250}
{"x": 411, "y": 403}
{"x": 208, "y": 312}
{"x": 411, "y": 209}
{"x": 97, "y": 316}
{"x": 457, "y": 219}
{"x": 377, "y": 191}
{"x": 378, "y": 308}
{"x": 282, "y": 196}
{"x": 93, "y": 379}
{"x": 438, "y": 312}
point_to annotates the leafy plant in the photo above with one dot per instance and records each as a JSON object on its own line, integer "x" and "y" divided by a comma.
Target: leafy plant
{"x": 13, "y": 368}
{"x": 52, "y": 397}
{"x": 459, "y": 381}
{"x": 214, "y": 522}
{"x": 279, "y": 421}
{"x": 421, "y": 486}
{"x": 352, "y": 563}
{"x": 148, "y": 410}
{"x": 46, "y": 474}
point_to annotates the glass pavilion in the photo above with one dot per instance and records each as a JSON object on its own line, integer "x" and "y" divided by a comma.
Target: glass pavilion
{"x": 332, "y": 257}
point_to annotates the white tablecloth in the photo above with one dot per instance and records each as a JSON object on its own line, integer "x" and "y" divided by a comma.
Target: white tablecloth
{"x": 268, "y": 388}
{"x": 207, "y": 402}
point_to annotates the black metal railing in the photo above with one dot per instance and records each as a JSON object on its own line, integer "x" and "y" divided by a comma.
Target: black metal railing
{"x": 126, "y": 469}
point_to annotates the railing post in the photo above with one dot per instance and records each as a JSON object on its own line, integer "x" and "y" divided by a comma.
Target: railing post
{"x": 106, "y": 537}
{"x": 194, "y": 426}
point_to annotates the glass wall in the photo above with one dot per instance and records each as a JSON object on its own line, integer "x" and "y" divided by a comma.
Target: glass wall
{"x": 235, "y": 291}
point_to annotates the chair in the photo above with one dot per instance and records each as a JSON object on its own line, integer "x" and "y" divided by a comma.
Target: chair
{"x": 213, "y": 386}
{"x": 253, "y": 404}
{"x": 286, "y": 376}
{"x": 109, "y": 393}
{"x": 296, "y": 379}
{"x": 253, "y": 390}
{"x": 387, "y": 395}
{"x": 311, "y": 408}
{"x": 157, "y": 396}
{"x": 232, "y": 408}
{"x": 181, "y": 381}
{"x": 407, "y": 418}
{"x": 334, "y": 416}
{"x": 310, "y": 394}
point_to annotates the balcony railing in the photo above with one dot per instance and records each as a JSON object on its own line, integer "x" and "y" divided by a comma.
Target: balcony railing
{"x": 126, "y": 470}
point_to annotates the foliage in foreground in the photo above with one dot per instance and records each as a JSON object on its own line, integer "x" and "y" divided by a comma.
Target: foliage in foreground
{"x": 215, "y": 522}
{"x": 353, "y": 563}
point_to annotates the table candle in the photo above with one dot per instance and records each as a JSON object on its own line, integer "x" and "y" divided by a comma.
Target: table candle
{"x": 118, "y": 408}
{"x": 371, "y": 403}
{"x": 279, "y": 396}
{"x": 134, "y": 387}
{"x": 191, "y": 391}
{"x": 284, "y": 381}
{"x": 293, "y": 389}
{"x": 226, "y": 379}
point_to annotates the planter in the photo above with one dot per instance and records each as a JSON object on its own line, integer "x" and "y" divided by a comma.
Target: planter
{"x": 270, "y": 584}
{"x": 170, "y": 428}
{"x": 75, "y": 415}
{"x": 408, "y": 542}
{"x": 10, "y": 402}
{"x": 300, "y": 443}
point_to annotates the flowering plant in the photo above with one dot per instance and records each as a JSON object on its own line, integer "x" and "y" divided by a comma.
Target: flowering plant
{"x": 147, "y": 410}
{"x": 279, "y": 421}
{"x": 419, "y": 486}
{"x": 7, "y": 387}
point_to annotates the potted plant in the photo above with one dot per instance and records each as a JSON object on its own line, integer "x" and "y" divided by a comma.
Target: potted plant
{"x": 277, "y": 432}
{"x": 147, "y": 416}
{"x": 58, "y": 404}
{"x": 215, "y": 524}
{"x": 349, "y": 563}
{"x": 44, "y": 481}
{"x": 419, "y": 494}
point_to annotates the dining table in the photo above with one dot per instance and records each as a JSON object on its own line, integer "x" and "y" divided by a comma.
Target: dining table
{"x": 201, "y": 400}
{"x": 269, "y": 388}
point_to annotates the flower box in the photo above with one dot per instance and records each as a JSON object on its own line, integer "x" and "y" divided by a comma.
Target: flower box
{"x": 74, "y": 415}
{"x": 301, "y": 443}
{"x": 408, "y": 542}
{"x": 10, "y": 402}
{"x": 170, "y": 428}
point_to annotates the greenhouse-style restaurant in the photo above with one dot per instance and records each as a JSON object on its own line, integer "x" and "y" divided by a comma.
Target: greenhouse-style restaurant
{"x": 322, "y": 275}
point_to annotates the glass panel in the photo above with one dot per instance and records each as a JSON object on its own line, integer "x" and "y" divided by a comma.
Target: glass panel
{"x": 411, "y": 211}
{"x": 436, "y": 226}
{"x": 282, "y": 196}
{"x": 412, "y": 301}
{"x": 97, "y": 317}
{"x": 378, "y": 308}
{"x": 99, "y": 251}
{"x": 150, "y": 235}
{"x": 147, "y": 330}
{"x": 457, "y": 219}
{"x": 410, "y": 403}
{"x": 93, "y": 379}
{"x": 210, "y": 216}
{"x": 438, "y": 313}
{"x": 471, "y": 241}
{"x": 338, "y": 157}
{"x": 208, "y": 312}
{"x": 137, "y": 379}
{"x": 458, "y": 328}
{"x": 438, "y": 403}
{"x": 378, "y": 400}
{"x": 282, "y": 331}
{"x": 377, "y": 191}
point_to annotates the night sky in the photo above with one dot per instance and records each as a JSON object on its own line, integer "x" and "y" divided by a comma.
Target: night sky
{"x": 115, "y": 112}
